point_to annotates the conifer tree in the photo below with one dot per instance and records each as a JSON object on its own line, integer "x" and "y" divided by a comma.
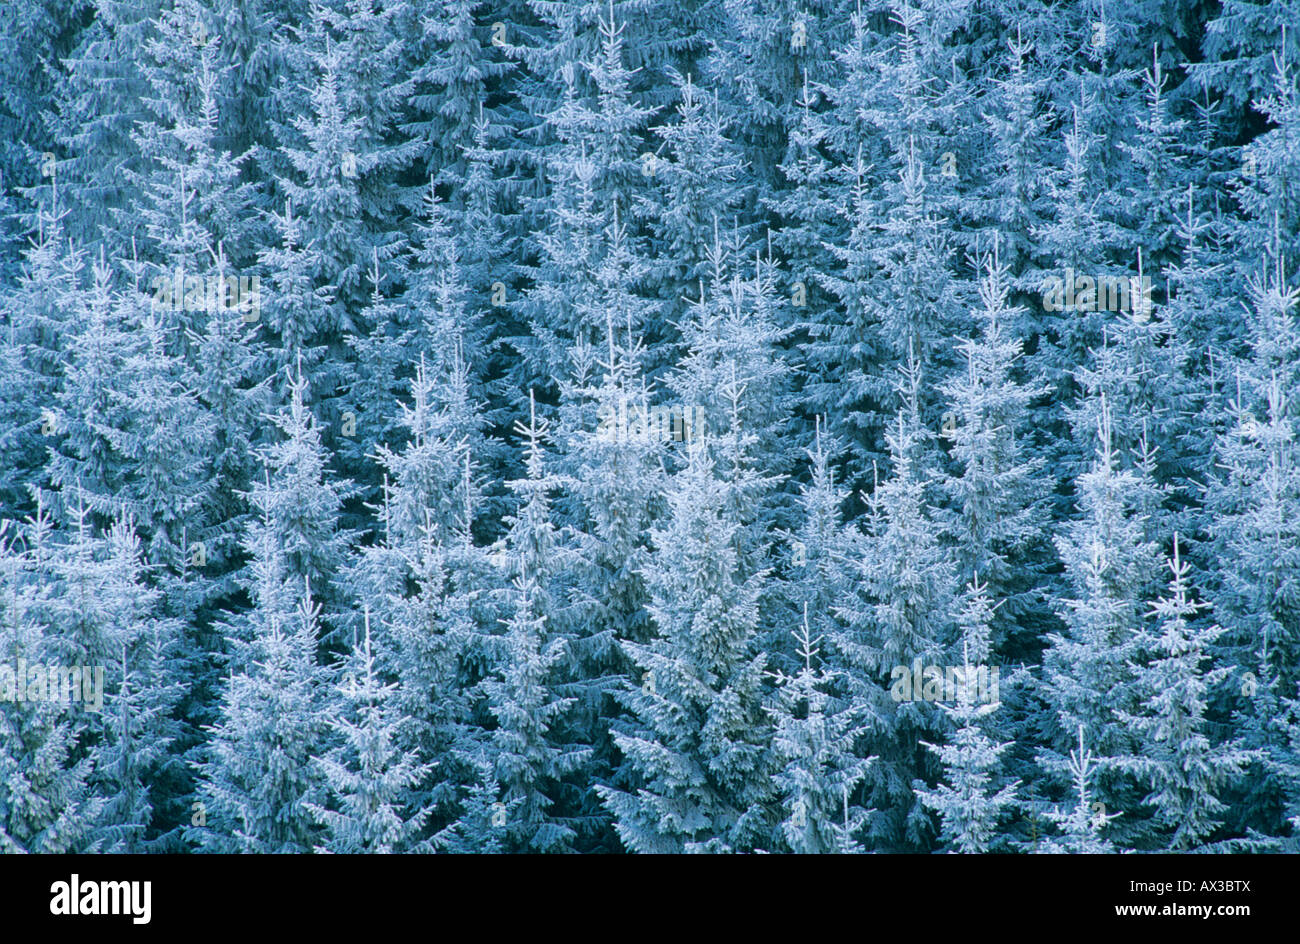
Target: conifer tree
{"x": 903, "y": 616}
{"x": 367, "y": 776}
{"x": 299, "y": 501}
{"x": 46, "y": 804}
{"x": 997, "y": 492}
{"x": 1179, "y": 762}
{"x": 696, "y": 745}
{"x": 1081, "y": 824}
{"x": 137, "y": 770}
{"x": 1251, "y": 524}
{"x": 813, "y": 740}
{"x": 527, "y": 745}
{"x": 964, "y": 799}
{"x": 258, "y": 783}
{"x": 1110, "y": 567}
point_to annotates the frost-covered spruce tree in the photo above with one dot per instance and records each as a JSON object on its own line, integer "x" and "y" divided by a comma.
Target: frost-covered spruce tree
{"x": 338, "y": 164}
{"x": 123, "y": 764}
{"x": 136, "y": 439}
{"x": 39, "y": 315}
{"x": 1138, "y": 377}
{"x": 457, "y": 68}
{"x": 1270, "y": 205}
{"x": 810, "y": 220}
{"x": 844, "y": 347}
{"x": 1138, "y": 354}
{"x": 659, "y": 36}
{"x": 1238, "y": 46}
{"x": 760, "y": 52}
{"x": 918, "y": 304}
{"x": 162, "y": 437}
{"x": 296, "y": 309}
{"x": 479, "y": 828}
{"x": 998, "y": 512}
{"x": 100, "y": 97}
{"x": 919, "y": 310}
{"x": 965, "y": 799}
{"x": 1289, "y": 767}
{"x": 1204, "y": 314}
{"x": 734, "y": 375}
{"x": 189, "y": 196}
{"x": 430, "y": 645}
{"x": 1253, "y": 503}
{"x": 367, "y": 775}
{"x": 698, "y": 765}
{"x": 813, "y": 738}
{"x": 144, "y": 782}
{"x": 426, "y": 492}
{"x": 258, "y": 781}
{"x": 82, "y": 464}
{"x": 903, "y": 611}
{"x": 594, "y": 177}
{"x": 423, "y": 642}
{"x": 485, "y": 228}
{"x": 431, "y": 324}
{"x": 83, "y": 616}
{"x": 817, "y": 557}
{"x": 20, "y": 418}
{"x": 1177, "y": 759}
{"x": 612, "y": 450}
{"x": 1104, "y": 82}
{"x": 442, "y": 324}
{"x": 913, "y": 96}
{"x": 253, "y": 62}
{"x": 51, "y": 278}
{"x": 698, "y": 179}
{"x": 426, "y": 583}
{"x": 34, "y": 37}
{"x": 1162, "y": 176}
{"x": 1110, "y": 567}
{"x": 228, "y": 384}
{"x": 299, "y": 501}
{"x": 613, "y": 125}
{"x": 103, "y": 615}
{"x": 224, "y": 384}
{"x": 1253, "y": 499}
{"x": 378, "y": 55}
{"x": 529, "y": 745}
{"x": 373, "y": 382}
{"x": 1081, "y": 820}
{"x": 1013, "y": 198}
{"x": 528, "y": 764}
{"x": 561, "y": 299}
{"x": 45, "y": 801}
{"x": 139, "y": 771}
{"x": 328, "y": 152}
{"x": 1072, "y": 244}
{"x": 615, "y": 437}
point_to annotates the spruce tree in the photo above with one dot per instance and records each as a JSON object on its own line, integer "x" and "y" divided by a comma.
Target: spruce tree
{"x": 1184, "y": 769}
{"x": 696, "y": 743}
{"x": 367, "y": 776}
{"x": 813, "y": 741}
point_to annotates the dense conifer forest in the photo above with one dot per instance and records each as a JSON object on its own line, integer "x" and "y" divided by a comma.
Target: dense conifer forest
{"x": 590, "y": 426}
